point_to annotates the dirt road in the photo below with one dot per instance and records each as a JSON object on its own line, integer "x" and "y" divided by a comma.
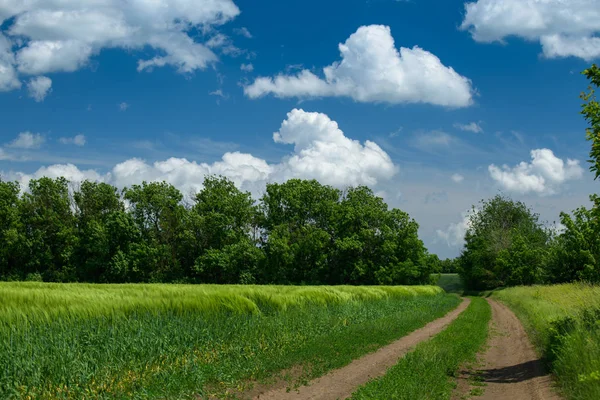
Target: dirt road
{"x": 511, "y": 368}
{"x": 340, "y": 384}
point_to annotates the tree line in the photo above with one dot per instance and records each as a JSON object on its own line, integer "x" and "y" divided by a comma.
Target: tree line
{"x": 507, "y": 245}
{"x": 299, "y": 232}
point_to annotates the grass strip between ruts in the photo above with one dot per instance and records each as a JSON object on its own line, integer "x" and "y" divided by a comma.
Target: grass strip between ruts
{"x": 428, "y": 372}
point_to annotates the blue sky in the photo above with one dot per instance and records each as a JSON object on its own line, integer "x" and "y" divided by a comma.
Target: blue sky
{"x": 176, "y": 89}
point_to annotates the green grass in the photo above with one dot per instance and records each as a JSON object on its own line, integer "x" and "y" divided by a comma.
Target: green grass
{"x": 563, "y": 322}
{"x": 428, "y": 371}
{"x": 75, "y": 341}
{"x": 451, "y": 283}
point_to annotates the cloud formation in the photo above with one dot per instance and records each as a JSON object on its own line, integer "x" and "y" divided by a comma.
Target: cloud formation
{"x": 62, "y": 36}
{"x": 563, "y": 28}
{"x": 39, "y": 88}
{"x": 373, "y": 70}
{"x": 458, "y": 178}
{"x": 454, "y": 234}
{"x": 470, "y": 127}
{"x": 543, "y": 175}
{"x": 321, "y": 151}
{"x": 27, "y": 140}
{"x": 77, "y": 140}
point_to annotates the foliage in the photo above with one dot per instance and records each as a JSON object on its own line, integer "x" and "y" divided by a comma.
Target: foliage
{"x": 300, "y": 232}
{"x": 86, "y": 341}
{"x": 562, "y": 320}
{"x": 504, "y": 245}
{"x": 591, "y": 113}
{"x": 575, "y": 254}
{"x": 428, "y": 371}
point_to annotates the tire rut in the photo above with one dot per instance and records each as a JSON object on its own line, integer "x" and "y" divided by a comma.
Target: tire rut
{"x": 511, "y": 368}
{"x": 341, "y": 383}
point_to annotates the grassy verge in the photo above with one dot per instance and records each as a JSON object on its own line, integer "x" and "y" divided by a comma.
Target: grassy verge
{"x": 562, "y": 321}
{"x": 174, "y": 341}
{"x": 428, "y": 371}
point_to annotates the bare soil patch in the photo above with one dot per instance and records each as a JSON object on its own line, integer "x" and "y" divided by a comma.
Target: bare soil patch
{"x": 510, "y": 367}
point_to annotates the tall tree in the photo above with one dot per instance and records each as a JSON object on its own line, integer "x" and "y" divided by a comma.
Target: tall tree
{"x": 12, "y": 241}
{"x": 157, "y": 211}
{"x": 221, "y": 221}
{"x": 95, "y": 205}
{"x": 50, "y": 231}
{"x": 504, "y": 245}
{"x": 591, "y": 113}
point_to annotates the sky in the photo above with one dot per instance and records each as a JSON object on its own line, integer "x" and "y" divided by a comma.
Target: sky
{"x": 435, "y": 105}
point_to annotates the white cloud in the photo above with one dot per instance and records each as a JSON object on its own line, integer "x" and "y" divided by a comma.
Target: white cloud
{"x": 39, "y": 87}
{"x": 247, "y": 67}
{"x": 564, "y": 28}
{"x": 458, "y": 178}
{"x": 243, "y": 31}
{"x": 470, "y": 127}
{"x": 123, "y": 106}
{"x": 8, "y": 75}
{"x": 454, "y": 234}
{"x": 373, "y": 70}
{"x": 27, "y": 140}
{"x": 53, "y": 36}
{"x": 543, "y": 175}
{"x": 77, "y": 140}
{"x": 321, "y": 151}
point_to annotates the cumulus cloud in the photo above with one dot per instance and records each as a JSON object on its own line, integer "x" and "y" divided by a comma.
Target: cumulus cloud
{"x": 39, "y": 88}
{"x": 123, "y": 106}
{"x": 321, "y": 151}
{"x": 454, "y": 234}
{"x": 564, "y": 28}
{"x": 470, "y": 127}
{"x": 543, "y": 175}
{"x": 373, "y": 70}
{"x": 8, "y": 75}
{"x": 77, "y": 140}
{"x": 53, "y": 36}
{"x": 27, "y": 140}
{"x": 458, "y": 178}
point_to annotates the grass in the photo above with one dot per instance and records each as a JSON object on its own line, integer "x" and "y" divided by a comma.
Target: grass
{"x": 563, "y": 322}
{"x": 451, "y": 283}
{"x": 428, "y": 371}
{"x": 77, "y": 341}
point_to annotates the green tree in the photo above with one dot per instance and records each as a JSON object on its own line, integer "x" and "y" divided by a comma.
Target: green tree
{"x": 95, "y": 205}
{"x": 49, "y": 229}
{"x": 299, "y": 230}
{"x": 158, "y": 213}
{"x": 504, "y": 245}
{"x": 591, "y": 113}
{"x": 218, "y": 234}
{"x": 575, "y": 253}
{"x": 12, "y": 241}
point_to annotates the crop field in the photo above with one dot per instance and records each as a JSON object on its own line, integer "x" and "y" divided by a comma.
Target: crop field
{"x": 562, "y": 321}
{"x": 85, "y": 341}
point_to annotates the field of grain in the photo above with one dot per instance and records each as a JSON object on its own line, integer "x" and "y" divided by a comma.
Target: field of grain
{"x": 562, "y": 321}
{"x": 83, "y": 341}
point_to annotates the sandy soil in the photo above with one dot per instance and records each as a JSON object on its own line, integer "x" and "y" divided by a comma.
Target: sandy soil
{"x": 340, "y": 384}
{"x": 511, "y": 368}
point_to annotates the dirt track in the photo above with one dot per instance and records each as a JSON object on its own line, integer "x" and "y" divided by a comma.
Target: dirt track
{"x": 340, "y": 384}
{"x": 511, "y": 368}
